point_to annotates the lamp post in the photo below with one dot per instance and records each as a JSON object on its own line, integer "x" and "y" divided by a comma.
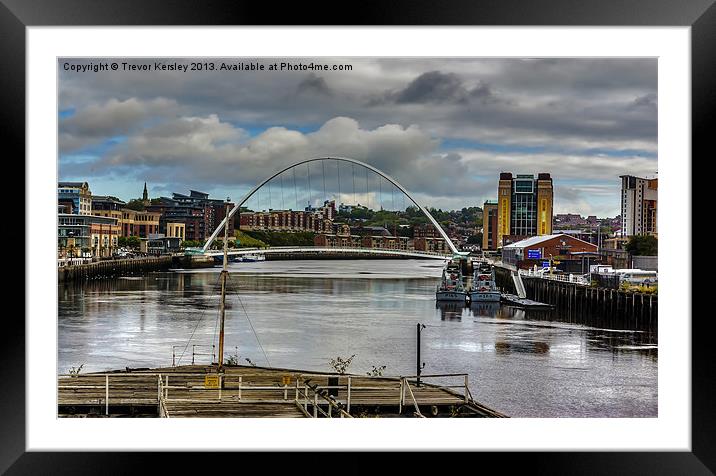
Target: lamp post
{"x": 419, "y": 366}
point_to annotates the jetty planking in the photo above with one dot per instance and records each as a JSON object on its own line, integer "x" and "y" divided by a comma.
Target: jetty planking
{"x": 248, "y": 391}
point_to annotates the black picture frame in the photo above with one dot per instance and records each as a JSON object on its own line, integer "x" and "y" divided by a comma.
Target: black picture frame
{"x": 700, "y": 15}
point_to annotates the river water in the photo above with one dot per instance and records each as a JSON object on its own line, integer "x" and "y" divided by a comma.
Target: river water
{"x": 302, "y": 314}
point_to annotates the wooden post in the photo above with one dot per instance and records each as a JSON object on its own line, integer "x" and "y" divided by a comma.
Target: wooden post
{"x": 465, "y": 388}
{"x": 106, "y": 395}
{"x": 348, "y": 400}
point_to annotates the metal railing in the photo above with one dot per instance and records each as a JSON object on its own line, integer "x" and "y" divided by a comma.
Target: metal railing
{"x": 583, "y": 280}
{"x": 320, "y": 399}
{"x": 194, "y": 353}
{"x": 346, "y": 249}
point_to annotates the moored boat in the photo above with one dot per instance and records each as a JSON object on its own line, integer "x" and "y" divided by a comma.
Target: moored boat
{"x": 484, "y": 288}
{"x": 252, "y": 258}
{"x": 451, "y": 287}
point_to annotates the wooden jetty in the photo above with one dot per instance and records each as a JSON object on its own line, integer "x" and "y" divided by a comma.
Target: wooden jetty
{"x": 524, "y": 303}
{"x": 248, "y": 391}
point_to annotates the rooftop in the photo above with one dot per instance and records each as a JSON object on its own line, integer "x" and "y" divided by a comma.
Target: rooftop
{"x": 534, "y": 240}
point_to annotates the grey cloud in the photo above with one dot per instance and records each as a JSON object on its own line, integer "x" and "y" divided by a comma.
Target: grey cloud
{"x": 114, "y": 116}
{"x": 585, "y": 96}
{"x": 433, "y": 86}
{"x": 389, "y": 111}
{"x": 314, "y": 84}
{"x": 648, "y": 101}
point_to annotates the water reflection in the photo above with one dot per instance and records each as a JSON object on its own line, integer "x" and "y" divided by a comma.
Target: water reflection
{"x": 450, "y": 311}
{"x": 525, "y": 363}
{"x": 485, "y": 309}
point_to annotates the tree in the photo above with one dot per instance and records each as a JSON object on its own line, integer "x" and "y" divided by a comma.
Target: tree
{"x": 133, "y": 242}
{"x": 642, "y": 245}
{"x": 122, "y": 241}
{"x": 475, "y": 239}
{"x": 340, "y": 365}
{"x": 135, "y": 204}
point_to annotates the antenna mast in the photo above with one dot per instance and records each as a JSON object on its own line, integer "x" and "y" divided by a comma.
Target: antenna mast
{"x": 224, "y": 274}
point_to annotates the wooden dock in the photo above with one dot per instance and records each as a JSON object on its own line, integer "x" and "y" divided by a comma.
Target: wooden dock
{"x": 247, "y": 391}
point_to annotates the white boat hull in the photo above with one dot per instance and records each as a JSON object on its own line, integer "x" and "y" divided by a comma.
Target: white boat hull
{"x": 450, "y": 296}
{"x": 485, "y": 296}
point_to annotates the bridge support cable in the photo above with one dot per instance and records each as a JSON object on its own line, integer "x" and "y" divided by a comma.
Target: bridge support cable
{"x": 380, "y": 188}
{"x": 323, "y": 166}
{"x": 283, "y": 206}
{"x": 338, "y": 171}
{"x": 353, "y": 170}
{"x": 310, "y": 196}
{"x": 394, "y": 184}
{"x": 269, "y": 191}
{"x": 367, "y": 195}
{"x": 295, "y": 188}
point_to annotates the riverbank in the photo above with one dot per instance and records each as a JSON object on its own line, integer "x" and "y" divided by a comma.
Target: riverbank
{"x": 589, "y": 305}
{"x": 130, "y": 267}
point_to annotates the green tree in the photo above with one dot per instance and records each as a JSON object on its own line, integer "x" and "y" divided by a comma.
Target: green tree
{"x": 643, "y": 245}
{"x": 135, "y": 204}
{"x": 475, "y": 239}
{"x": 133, "y": 242}
{"x": 122, "y": 241}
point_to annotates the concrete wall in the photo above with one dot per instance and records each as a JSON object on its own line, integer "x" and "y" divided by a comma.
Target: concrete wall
{"x": 649, "y": 263}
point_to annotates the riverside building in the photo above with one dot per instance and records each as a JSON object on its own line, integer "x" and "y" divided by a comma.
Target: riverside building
{"x": 524, "y": 206}
{"x": 638, "y": 207}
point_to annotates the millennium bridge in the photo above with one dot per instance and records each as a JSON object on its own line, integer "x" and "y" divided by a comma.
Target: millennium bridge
{"x": 288, "y": 174}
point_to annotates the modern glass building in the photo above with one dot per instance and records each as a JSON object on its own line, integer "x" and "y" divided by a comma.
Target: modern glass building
{"x": 524, "y": 206}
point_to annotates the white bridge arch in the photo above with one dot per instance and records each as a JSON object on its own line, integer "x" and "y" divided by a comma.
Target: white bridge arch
{"x": 246, "y": 197}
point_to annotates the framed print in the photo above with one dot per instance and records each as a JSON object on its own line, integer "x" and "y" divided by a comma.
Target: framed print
{"x": 437, "y": 214}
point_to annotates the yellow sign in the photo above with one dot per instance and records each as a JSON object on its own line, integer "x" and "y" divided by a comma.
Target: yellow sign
{"x": 286, "y": 379}
{"x": 211, "y": 381}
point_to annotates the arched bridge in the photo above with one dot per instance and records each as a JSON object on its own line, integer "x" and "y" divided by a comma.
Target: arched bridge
{"x": 319, "y": 250}
{"x": 245, "y": 199}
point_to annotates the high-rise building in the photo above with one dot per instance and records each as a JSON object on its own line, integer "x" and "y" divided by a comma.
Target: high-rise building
{"x": 524, "y": 206}
{"x": 489, "y": 225}
{"x": 639, "y": 208}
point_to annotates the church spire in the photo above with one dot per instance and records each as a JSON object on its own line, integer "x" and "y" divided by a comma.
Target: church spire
{"x": 145, "y": 195}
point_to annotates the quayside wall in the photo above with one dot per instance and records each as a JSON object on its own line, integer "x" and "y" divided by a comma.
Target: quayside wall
{"x": 129, "y": 267}
{"x": 589, "y": 305}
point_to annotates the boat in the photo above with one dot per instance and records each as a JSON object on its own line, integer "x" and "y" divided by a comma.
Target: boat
{"x": 484, "y": 288}
{"x": 252, "y": 258}
{"x": 451, "y": 287}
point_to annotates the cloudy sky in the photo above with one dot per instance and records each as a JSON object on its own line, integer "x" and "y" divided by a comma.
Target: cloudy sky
{"x": 444, "y": 128}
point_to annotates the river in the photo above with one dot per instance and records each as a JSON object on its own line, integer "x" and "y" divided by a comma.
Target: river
{"x": 302, "y": 314}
